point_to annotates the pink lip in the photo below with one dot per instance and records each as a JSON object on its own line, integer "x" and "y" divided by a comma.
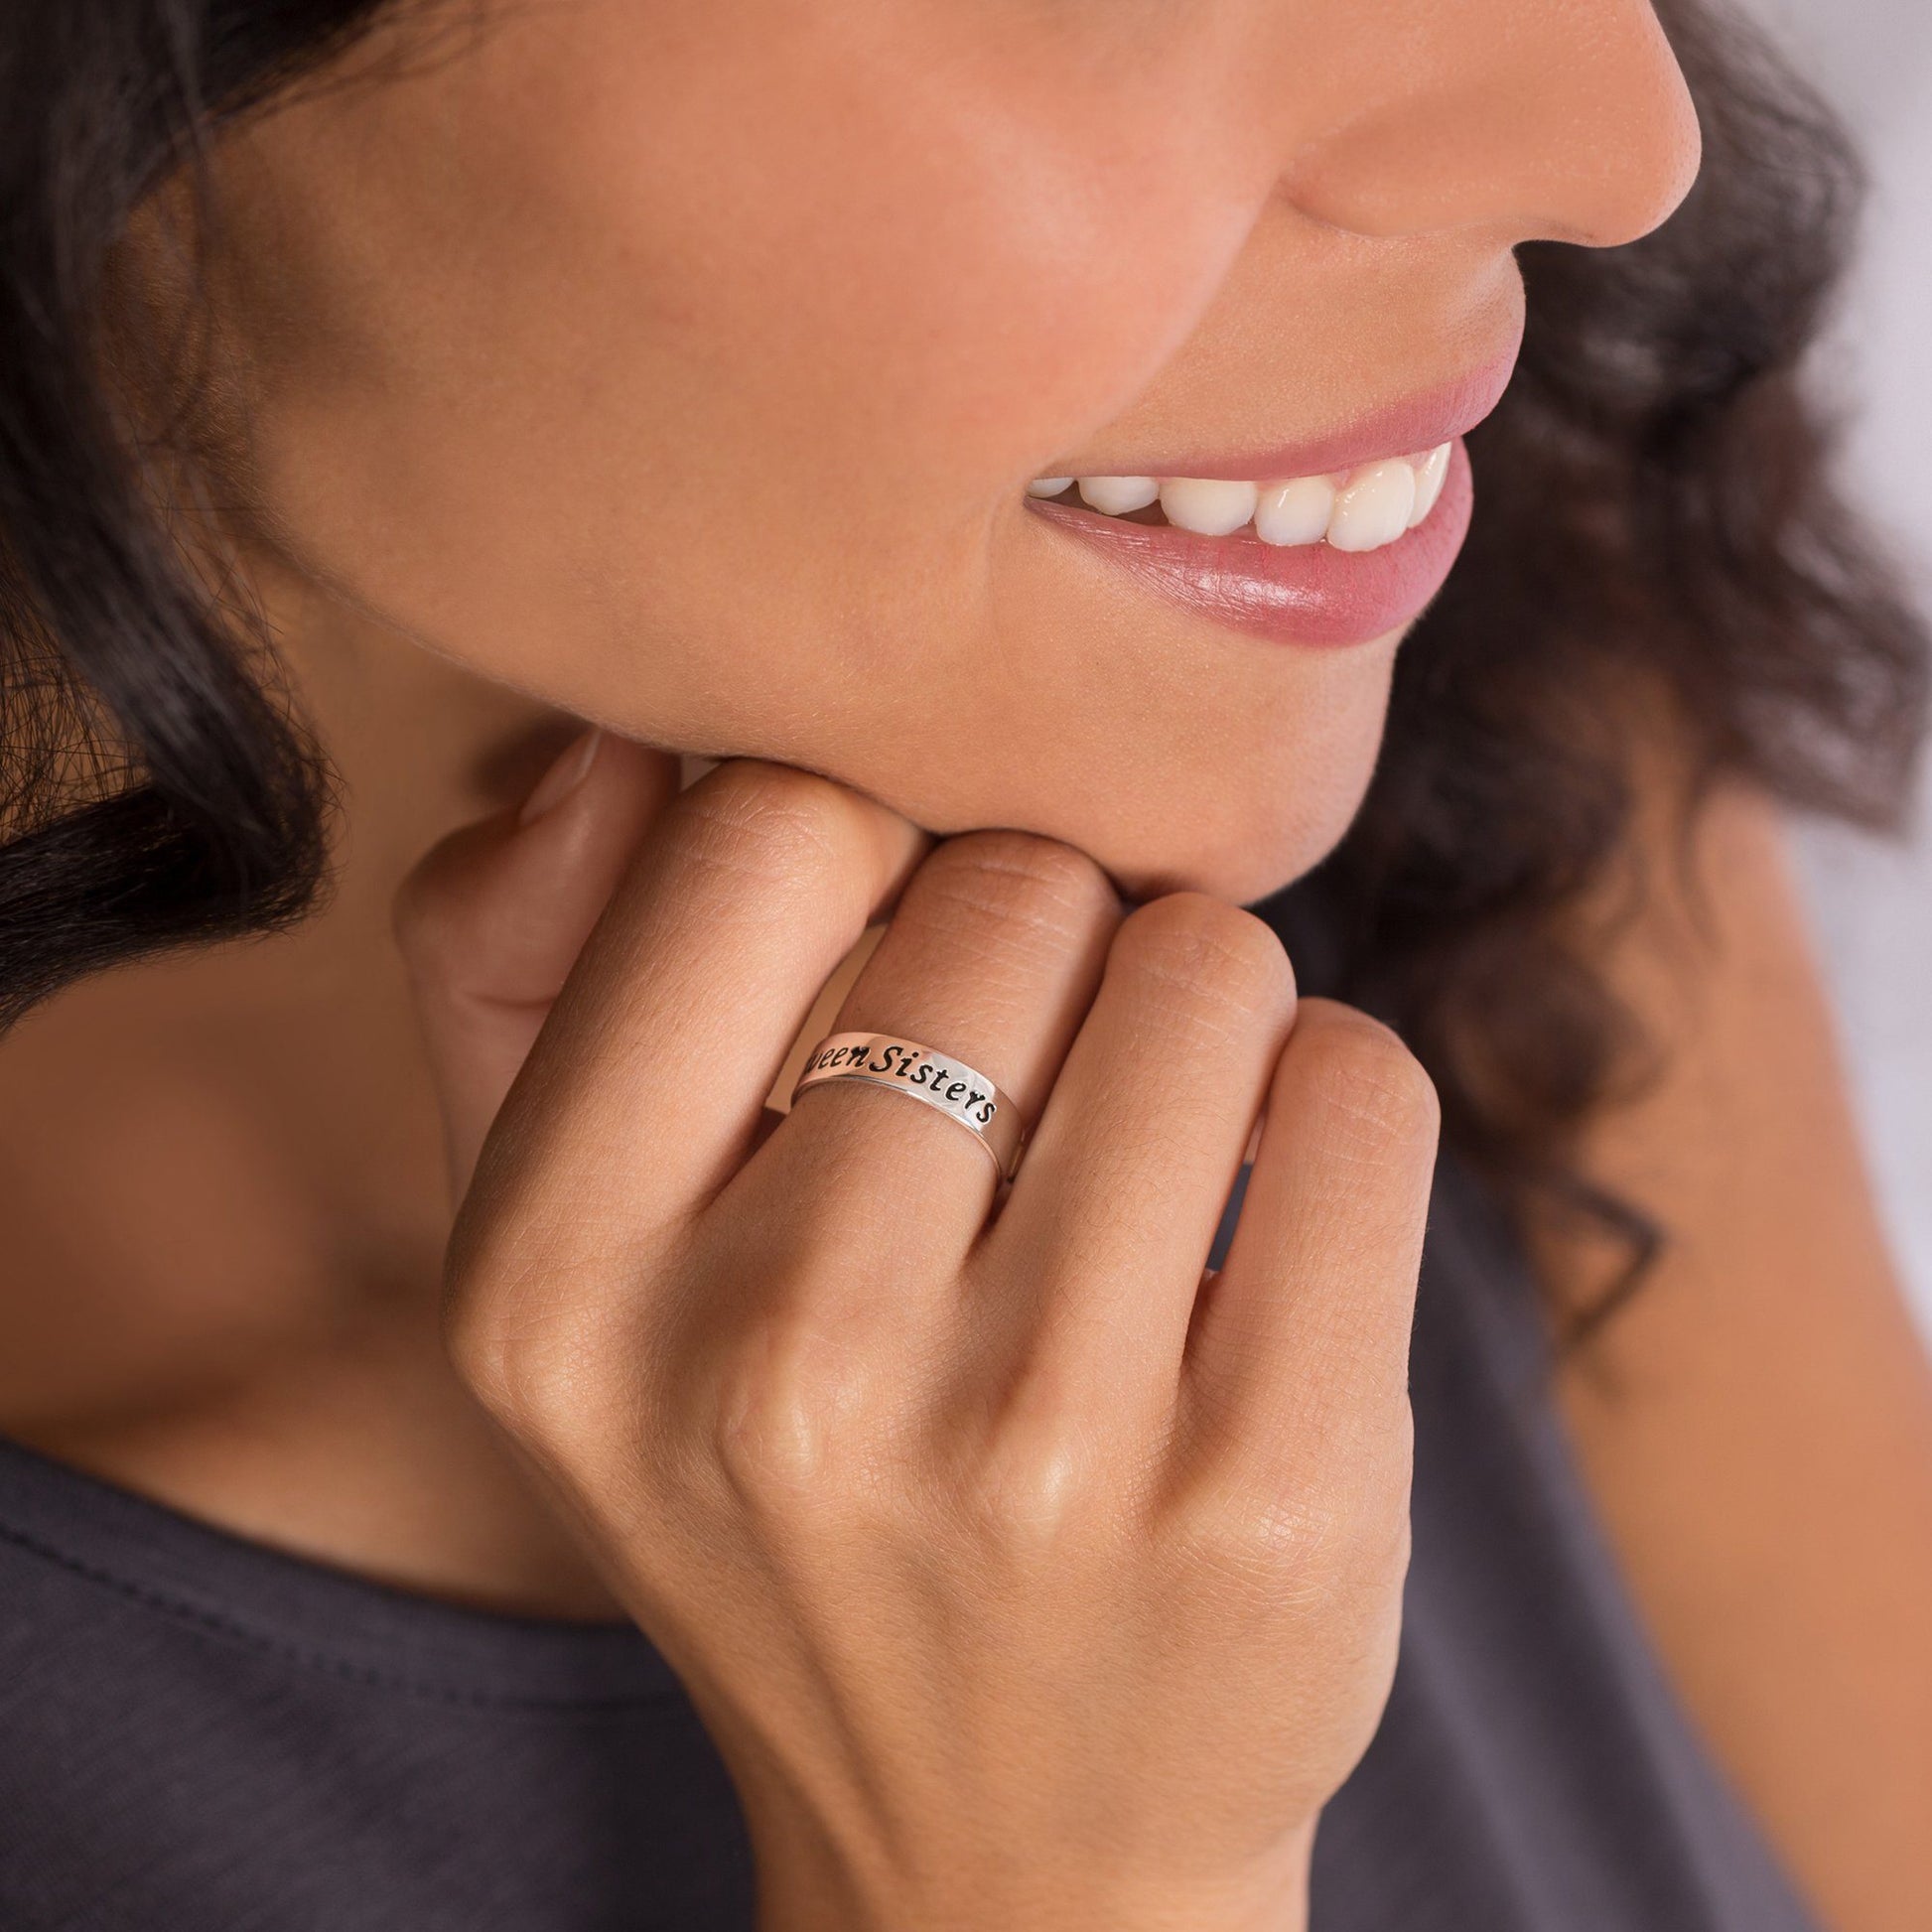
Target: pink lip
{"x": 1405, "y": 427}
{"x": 1307, "y": 593}
{"x": 1310, "y": 594}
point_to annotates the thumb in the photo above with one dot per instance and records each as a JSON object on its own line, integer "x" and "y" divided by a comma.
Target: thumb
{"x": 491, "y": 921}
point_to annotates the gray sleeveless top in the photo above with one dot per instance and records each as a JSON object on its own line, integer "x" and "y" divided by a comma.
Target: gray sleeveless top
{"x": 197, "y": 1733}
{"x": 1533, "y": 1768}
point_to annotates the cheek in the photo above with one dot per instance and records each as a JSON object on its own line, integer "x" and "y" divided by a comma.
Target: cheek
{"x": 694, "y": 388}
{"x": 900, "y": 262}
{"x": 648, "y": 329}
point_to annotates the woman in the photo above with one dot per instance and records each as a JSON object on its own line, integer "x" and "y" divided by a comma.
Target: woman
{"x": 1018, "y": 442}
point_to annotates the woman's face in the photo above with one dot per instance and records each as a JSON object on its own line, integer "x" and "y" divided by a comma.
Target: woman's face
{"x": 687, "y": 369}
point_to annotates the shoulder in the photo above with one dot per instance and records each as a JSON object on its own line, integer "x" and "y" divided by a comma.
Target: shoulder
{"x": 1756, "y": 1422}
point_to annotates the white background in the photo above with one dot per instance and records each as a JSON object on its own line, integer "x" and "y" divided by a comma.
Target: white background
{"x": 1872, "y": 902}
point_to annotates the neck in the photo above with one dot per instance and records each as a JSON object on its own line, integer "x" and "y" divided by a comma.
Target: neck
{"x": 222, "y": 1180}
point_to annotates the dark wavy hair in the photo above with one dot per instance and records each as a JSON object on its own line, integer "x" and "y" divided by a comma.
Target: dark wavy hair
{"x": 1656, "y": 514}
{"x": 1658, "y": 529}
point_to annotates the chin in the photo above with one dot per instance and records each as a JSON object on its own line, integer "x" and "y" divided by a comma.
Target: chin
{"x": 1243, "y": 876}
{"x": 1238, "y": 846}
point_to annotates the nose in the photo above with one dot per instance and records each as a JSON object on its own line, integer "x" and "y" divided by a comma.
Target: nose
{"x": 1566, "y": 120}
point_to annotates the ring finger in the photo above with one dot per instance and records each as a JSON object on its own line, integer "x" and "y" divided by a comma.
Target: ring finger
{"x": 992, "y": 958}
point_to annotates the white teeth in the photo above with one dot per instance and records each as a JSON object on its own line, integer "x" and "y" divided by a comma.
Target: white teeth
{"x": 1206, "y": 505}
{"x": 1353, "y": 509}
{"x": 1118, "y": 495}
{"x": 1372, "y": 507}
{"x": 1430, "y": 472}
{"x": 1295, "y": 513}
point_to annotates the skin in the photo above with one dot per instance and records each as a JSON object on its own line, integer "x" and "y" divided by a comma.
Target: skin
{"x": 723, "y": 441}
{"x": 1757, "y": 1425}
{"x": 993, "y": 1556}
{"x": 536, "y": 398}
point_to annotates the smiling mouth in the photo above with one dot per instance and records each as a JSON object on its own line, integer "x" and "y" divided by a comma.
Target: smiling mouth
{"x": 1337, "y": 539}
{"x": 1365, "y": 507}
{"x": 1355, "y": 559}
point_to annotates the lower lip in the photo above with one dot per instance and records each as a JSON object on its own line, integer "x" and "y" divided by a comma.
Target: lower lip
{"x": 1303, "y": 594}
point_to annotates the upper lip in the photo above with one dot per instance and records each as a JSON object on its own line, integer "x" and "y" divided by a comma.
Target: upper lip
{"x": 1403, "y": 427}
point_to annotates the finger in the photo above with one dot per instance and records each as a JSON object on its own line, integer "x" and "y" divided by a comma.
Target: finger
{"x": 491, "y": 921}
{"x": 1301, "y": 1343}
{"x": 644, "y": 1090}
{"x": 1125, "y": 1181}
{"x": 991, "y": 958}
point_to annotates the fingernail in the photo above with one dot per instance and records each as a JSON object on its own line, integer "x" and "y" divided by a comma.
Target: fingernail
{"x": 572, "y": 768}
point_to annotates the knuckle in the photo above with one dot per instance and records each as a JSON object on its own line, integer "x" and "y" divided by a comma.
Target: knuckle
{"x": 997, "y": 871}
{"x": 766, "y": 823}
{"x": 1013, "y": 884}
{"x": 1367, "y": 1555}
{"x": 1202, "y": 952}
{"x": 1030, "y": 1492}
{"x": 790, "y": 1412}
{"x": 1274, "y": 1550}
{"x": 1371, "y": 1089}
{"x": 1313, "y": 1548}
{"x": 527, "y": 1373}
{"x": 524, "y": 1326}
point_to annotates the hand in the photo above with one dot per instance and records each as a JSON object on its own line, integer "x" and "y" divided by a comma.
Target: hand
{"x": 1024, "y": 1575}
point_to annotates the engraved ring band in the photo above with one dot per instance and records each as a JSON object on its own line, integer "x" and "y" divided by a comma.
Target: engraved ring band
{"x": 905, "y": 1066}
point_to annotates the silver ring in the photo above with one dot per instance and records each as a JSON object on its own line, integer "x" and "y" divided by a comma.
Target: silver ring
{"x": 920, "y": 1073}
